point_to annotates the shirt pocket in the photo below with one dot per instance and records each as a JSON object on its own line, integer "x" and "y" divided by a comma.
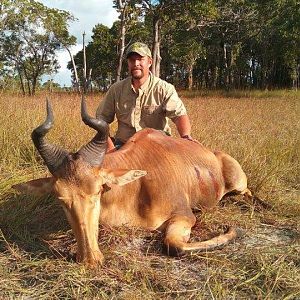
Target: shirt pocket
{"x": 152, "y": 116}
{"x": 151, "y": 109}
{"x": 124, "y": 108}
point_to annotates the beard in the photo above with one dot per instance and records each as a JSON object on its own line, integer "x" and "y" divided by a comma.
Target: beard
{"x": 137, "y": 75}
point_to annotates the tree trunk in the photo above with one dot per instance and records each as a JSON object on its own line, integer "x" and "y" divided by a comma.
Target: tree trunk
{"x": 123, "y": 8}
{"x": 84, "y": 65}
{"x": 156, "y": 46}
{"x": 89, "y": 80}
{"x": 75, "y": 71}
{"x": 215, "y": 75}
{"x": 226, "y": 71}
{"x": 295, "y": 76}
{"x": 28, "y": 82}
{"x": 190, "y": 75}
{"x": 298, "y": 77}
{"x": 21, "y": 81}
{"x": 34, "y": 82}
{"x": 253, "y": 81}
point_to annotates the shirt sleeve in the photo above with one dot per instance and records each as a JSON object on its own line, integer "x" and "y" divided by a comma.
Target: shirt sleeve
{"x": 174, "y": 106}
{"x": 106, "y": 108}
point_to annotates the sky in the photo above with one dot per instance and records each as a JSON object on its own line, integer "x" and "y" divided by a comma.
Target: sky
{"x": 89, "y": 13}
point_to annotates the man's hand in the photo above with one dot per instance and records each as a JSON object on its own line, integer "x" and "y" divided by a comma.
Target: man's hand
{"x": 189, "y": 137}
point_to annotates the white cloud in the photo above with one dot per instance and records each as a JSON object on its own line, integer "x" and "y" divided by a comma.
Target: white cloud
{"x": 89, "y": 13}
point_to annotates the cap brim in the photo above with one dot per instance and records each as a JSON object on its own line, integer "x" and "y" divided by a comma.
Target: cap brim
{"x": 137, "y": 52}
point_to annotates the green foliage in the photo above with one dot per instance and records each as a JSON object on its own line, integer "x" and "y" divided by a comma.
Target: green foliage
{"x": 235, "y": 44}
{"x": 100, "y": 57}
{"x": 217, "y": 43}
{"x": 277, "y": 46}
{"x": 33, "y": 33}
{"x": 101, "y": 52}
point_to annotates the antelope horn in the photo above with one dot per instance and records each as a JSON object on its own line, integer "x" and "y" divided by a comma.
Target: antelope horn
{"x": 52, "y": 155}
{"x": 93, "y": 152}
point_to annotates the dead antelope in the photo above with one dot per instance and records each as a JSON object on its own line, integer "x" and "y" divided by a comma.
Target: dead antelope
{"x": 152, "y": 182}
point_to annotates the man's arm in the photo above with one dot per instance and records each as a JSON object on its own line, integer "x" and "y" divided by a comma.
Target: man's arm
{"x": 176, "y": 111}
{"x": 183, "y": 126}
{"x": 106, "y": 111}
{"x": 106, "y": 108}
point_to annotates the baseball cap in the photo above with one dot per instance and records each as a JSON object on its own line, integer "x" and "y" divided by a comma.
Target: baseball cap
{"x": 139, "y": 48}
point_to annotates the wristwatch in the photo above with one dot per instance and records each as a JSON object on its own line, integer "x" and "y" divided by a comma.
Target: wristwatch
{"x": 188, "y": 137}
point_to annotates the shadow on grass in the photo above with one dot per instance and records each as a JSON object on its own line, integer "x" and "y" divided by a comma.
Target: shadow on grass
{"x": 246, "y": 203}
{"x": 28, "y": 223}
{"x": 38, "y": 227}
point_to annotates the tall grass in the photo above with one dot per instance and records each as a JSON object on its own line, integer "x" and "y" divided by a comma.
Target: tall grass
{"x": 261, "y": 130}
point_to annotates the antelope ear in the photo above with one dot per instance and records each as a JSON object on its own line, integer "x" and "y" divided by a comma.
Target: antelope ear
{"x": 120, "y": 176}
{"x": 37, "y": 187}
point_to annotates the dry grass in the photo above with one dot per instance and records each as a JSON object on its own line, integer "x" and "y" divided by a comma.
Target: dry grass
{"x": 37, "y": 248}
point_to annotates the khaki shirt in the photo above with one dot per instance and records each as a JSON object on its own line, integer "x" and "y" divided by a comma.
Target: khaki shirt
{"x": 150, "y": 106}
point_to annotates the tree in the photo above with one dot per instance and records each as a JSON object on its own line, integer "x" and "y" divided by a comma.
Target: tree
{"x": 122, "y": 7}
{"x": 211, "y": 44}
{"x": 188, "y": 36}
{"x": 276, "y": 50}
{"x": 101, "y": 53}
{"x": 100, "y": 56}
{"x": 129, "y": 13}
{"x": 187, "y": 48}
{"x": 32, "y": 35}
{"x": 161, "y": 13}
{"x": 51, "y": 86}
{"x": 6, "y": 14}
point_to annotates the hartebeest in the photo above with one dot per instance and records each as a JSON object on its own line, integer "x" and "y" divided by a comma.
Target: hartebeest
{"x": 165, "y": 178}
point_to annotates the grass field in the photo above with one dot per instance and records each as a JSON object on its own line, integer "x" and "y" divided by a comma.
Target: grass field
{"x": 260, "y": 129}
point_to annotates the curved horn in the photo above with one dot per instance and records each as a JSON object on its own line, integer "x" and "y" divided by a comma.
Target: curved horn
{"x": 94, "y": 151}
{"x": 51, "y": 154}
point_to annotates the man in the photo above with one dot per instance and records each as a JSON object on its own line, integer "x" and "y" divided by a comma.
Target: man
{"x": 142, "y": 100}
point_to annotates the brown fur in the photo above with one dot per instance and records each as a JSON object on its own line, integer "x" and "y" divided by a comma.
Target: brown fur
{"x": 181, "y": 175}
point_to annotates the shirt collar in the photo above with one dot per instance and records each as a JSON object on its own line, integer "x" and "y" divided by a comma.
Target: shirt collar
{"x": 145, "y": 85}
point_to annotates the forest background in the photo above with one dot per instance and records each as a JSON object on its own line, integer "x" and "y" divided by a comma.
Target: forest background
{"x": 236, "y": 44}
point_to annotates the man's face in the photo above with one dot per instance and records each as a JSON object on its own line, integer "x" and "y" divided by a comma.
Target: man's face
{"x": 138, "y": 65}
